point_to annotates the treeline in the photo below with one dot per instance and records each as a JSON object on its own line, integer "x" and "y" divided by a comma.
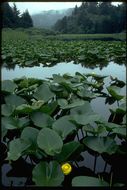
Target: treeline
{"x": 11, "y": 17}
{"x": 94, "y": 17}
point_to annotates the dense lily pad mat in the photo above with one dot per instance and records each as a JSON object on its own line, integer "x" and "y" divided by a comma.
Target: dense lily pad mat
{"x": 42, "y": 120}
{"x": 28, "y": 53}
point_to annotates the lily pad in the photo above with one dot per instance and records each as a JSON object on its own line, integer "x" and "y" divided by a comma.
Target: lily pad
{"x": 14, "y": 100}
{"x": 101, "y": 144}
{"x": 8, "y": 86}
{"x": 114, "y": 91}
{"x": 41, "y": 119}
{"x": 7, "y": 110}
{"x": 29, "y": 134}
{"x": 70, "y": 151}
{"x": 43, "y": 93}
{"x": 49, "y": 141}
{"x": 87, "y": 181}
{"x": 47, "y": 174}
{"x": 14, "y": 123}
{"x": 63, "y": 126}
{"x": 16, "y": 148}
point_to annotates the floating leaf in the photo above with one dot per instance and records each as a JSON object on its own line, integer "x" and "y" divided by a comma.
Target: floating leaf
{"x": 73, "y": 105}
{"x": 14, "y": 123}
{"x": 41, "y": 119}
{"x": 87, "y": 181}
{"x": 121, "y": 131}
{"x": 24, "y": 108}
{"x": 8, "y": 86}
{"x": 14, "y": 100}
{"x": 62, "y": 102}
{"x": 70, "y": 151}
{"x": 120, "y": 110}
{"x": 29, "y": 134}
{"x": 49, "y": 141}
{"x": 47, "y": 174}
{"x": 7, "y": 110}
{"x": 84, "y": 109}
{"x": 114, "y": 91}
{"x": 43, "y": 93}
{"x": 16, "y": 148}
{"x": 101, "y": 144}
{"x": 63, "y": 126}
{"x": 86, "y": 119}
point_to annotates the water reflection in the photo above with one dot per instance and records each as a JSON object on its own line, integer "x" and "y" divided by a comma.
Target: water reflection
{"x": 42, "y": 72}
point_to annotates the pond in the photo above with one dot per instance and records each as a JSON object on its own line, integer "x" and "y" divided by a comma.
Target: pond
{"x": 97, "y": 104}
{"x": 43, "y": 72}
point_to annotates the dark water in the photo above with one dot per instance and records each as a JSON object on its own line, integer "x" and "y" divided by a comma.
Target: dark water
{"x": 97, "y": 104}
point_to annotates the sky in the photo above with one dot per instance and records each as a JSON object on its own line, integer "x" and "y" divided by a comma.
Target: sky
{"x": 37, "y": 7}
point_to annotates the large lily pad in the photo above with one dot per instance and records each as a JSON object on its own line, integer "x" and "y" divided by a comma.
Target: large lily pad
{"x": 14, "y": 100}
{"x": 63, "y": 126}
{"x": 48, "y": 174}
{"x": 8, "y": 86}
{"x": 41, "y": 119}
{"x": 70, "y": 151}
{"x": 14, "y": 123}
{"x": 101, "y": 144}
{"x": 84, "y": 109}
{"x": 49, "y": 141}
{"x": 29, "y": 134}
{"x": 121, "y": 131}
{"x": 16, "y": 148}
{"x": 84, "y": 114}
{"x": 43, "y": 93}
{"x": 73, "y": 105}
{"x": 7, "y": 110}
{"x": 87, "y": 181}
{"x": 114, "y": 91}
{"x": 86, "y": 119}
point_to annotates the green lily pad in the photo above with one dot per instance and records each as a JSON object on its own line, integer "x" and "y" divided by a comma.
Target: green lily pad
{"x": 14, "y": 100}
{"x": 49, "y": 141}
{"x": 7, "y": 110}
{"x": 81, "y": 110}
{"x": 29, "y": 134}
{"x": 101, "y": 144}
{"x": 87, "y": 181}
{"x": 8, "y": 86}
{"x": 120, "y": 110}
{"x": 73, "y": 105}
{"x": 47, "y": 174}
{"x": 24, "y": 108}
{"x": 121, "y": 131}
{"x": 70, "y": 151}
{"x": 16, "y": 148}
{"x": 41, "y": 119}
{"x": 114, "y": 91}
{"x": 62, "y": 102}
{"x": 43, "y": 93}
{"x": 14, "y": 123}
{"x": 63, "y": 126}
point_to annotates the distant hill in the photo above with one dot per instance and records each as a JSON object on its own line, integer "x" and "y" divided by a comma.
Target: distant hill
{"x": 46, "y": 19}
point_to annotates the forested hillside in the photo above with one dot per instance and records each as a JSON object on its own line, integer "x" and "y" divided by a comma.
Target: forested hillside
{"x": 46, "y": 19}
{"x": 11, "y": 17}
{"x": 94, "y": 17}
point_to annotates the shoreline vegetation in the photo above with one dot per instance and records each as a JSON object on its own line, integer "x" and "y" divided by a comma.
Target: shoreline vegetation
{"x": 49, "y": 34}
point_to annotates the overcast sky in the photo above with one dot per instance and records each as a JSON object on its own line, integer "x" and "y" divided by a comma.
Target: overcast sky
{"x": 36, "y": 7}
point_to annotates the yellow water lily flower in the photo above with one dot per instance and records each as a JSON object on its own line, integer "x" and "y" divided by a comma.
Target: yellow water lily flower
{"x": 66, "y": 168}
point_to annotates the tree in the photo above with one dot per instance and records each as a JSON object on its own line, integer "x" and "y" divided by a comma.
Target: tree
{"x": 16, "y": 14}
{"x": 26, "y": 20}
{"x": 8, "y": 19}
